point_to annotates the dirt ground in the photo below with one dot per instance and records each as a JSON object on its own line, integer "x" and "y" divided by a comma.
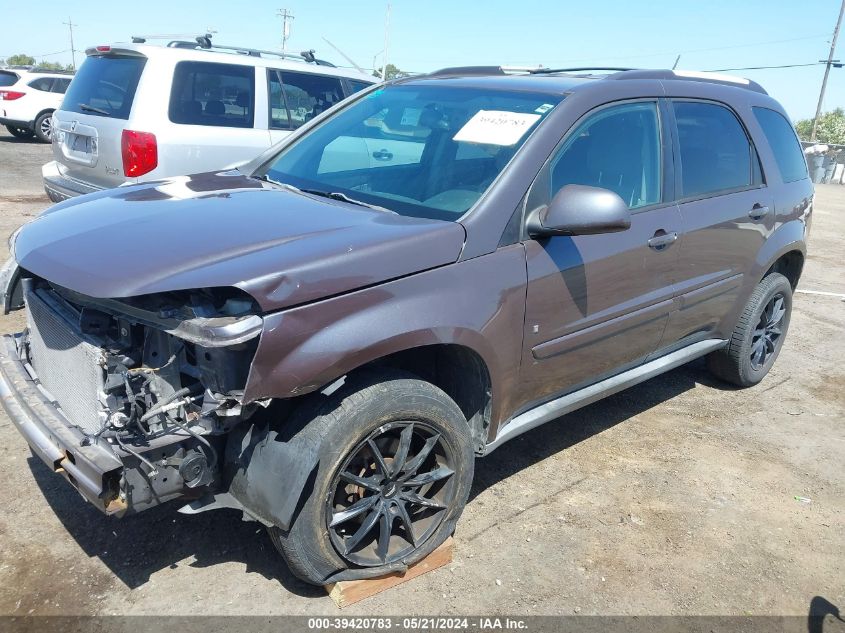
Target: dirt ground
{"x": 674, "y": 497}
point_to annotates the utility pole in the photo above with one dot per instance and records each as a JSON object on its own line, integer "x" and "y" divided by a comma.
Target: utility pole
{"x": 828, "y": 63}
{"x": 287, "y": 15}
{"x": 70, "y": 26}
{"x": 387, "y": 42}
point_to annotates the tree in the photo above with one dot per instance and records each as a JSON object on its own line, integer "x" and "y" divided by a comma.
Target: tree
{"x": 20, "y": 60}
{"x": 50, "y": 66}
{"x": 831, "y": 128}
{"x": 392, "y": 72}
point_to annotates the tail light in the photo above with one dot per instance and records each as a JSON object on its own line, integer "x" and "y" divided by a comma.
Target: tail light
{"x": 139, "y": 151}
{"x": 10, "y": 95}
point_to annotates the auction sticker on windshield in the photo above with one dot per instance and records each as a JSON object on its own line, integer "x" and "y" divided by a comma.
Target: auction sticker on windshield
{"x": 496, "y": 127}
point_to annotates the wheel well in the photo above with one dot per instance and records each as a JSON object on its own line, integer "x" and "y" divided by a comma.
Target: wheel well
{"x": 47, "y": 111}
{"x": 790, "y": 266}
{"x": 457, "y": 370}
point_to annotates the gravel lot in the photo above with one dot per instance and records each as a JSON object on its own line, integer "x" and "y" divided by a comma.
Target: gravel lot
{"x": 674, "y": 497}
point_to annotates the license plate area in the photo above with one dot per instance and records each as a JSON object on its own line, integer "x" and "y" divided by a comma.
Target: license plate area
{"x": 78, "y": 143}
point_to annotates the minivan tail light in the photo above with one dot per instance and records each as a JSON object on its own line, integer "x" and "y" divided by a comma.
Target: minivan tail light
{"x": 10, "y": 95}
{"x": 139, "y": 151}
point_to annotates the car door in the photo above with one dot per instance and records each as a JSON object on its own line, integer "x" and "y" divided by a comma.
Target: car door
{"x": 727, "y": 214}
{"x": 598, "y": 304}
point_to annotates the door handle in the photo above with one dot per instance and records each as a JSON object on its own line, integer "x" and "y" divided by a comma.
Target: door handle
{"x": 662, "y": 239}
{"x": 758, "y": 212}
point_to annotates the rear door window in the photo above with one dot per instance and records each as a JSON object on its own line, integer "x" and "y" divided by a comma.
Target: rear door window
{"x": 42, "y": 83}
{"x": 104, "y": 86}
{"x": 296, "y": 98}
{"x": 60, "y": 85}
{"x": 716, "y": 154}
{"x": 784, "y": 143}
{"x": 357, "y": 86}
{"x": 7, "y": 79}
{"x": 206, "y": 93}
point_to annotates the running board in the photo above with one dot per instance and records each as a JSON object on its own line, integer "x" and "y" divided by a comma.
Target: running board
{"x": 581, "y": 398}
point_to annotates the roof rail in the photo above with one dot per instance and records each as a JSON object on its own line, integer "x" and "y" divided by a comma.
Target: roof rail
{"x": 691, "y": 75}
{"x": 203, "y": 42}
{"x": 581, "y": 69}
{"x": 467, "y": 70}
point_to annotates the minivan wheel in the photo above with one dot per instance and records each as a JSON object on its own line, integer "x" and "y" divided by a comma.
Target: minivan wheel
{"x": 395, "y": 467}
{"x": 758, "y": 336}
{"x": 43, "y": 127}
{"x": 19, "y": 132}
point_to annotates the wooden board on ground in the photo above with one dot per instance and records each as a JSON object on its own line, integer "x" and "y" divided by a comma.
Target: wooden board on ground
{"x": 349, "y": 592}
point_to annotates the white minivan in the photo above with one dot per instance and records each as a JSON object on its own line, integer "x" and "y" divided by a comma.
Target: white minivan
{"x": 138, "y": 112}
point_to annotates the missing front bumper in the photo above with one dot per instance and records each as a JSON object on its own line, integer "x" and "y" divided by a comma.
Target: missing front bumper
{"x": 93, "y": 469}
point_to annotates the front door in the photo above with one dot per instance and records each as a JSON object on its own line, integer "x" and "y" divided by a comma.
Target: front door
{"x": 598, "y": 304}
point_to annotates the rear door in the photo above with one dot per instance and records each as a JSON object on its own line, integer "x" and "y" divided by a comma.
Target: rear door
{"x": 215, "y": 118}
{"x": 598, "y": 304}
{"x": 92, "y": 117}
{"x": 727, "y": 212}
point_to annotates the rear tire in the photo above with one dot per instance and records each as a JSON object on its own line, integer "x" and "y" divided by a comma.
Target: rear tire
{"x": 362, "y": 511}
{"x": 43, "y": 129}
{"x": 758, "y": 336}
{"x": 19, "y": 132}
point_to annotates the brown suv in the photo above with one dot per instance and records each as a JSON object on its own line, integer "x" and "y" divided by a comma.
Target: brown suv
{"x": 327, "y": 338}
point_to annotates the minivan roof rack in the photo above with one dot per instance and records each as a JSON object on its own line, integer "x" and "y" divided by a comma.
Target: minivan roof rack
{"x": 203, "y": 42}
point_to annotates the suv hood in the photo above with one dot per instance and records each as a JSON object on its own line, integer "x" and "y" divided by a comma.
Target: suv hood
{"x": 225, "y": 229}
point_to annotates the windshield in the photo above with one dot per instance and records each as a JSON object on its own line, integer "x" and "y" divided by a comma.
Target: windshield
{"x": 424, "y": 151}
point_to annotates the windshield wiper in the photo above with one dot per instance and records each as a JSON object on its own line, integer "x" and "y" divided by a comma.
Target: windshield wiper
{"x": 87, "y": 108}
{"x": 336, "y": 195}
{"x": 284, "y": 185}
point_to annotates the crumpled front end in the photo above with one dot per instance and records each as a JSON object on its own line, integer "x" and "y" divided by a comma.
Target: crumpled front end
{"x": 130, "y": 399}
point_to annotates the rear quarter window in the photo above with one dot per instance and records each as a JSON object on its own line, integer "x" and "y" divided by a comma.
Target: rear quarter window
{"x": 357, "y": 86}
{"x": 104, "y": 86}
{"x": 43, "y": 83}
{"x": 784, "y": 143}
{"x": 206, "y": 93}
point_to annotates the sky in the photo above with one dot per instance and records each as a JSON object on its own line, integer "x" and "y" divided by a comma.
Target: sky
{"x": 428, "y": 34}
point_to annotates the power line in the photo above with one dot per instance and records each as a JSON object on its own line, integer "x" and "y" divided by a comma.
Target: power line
{"x": 70, "y": 26}
{"x": 827, "y": 64}
{"x": 285, "y": 15}
{"x": 723, "y": 70}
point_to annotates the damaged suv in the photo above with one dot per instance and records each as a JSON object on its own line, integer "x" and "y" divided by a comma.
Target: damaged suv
{"x": 327, "y": 338}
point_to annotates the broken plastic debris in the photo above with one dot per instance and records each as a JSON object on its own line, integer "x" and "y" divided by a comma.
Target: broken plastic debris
{"x": 803, "y": 499}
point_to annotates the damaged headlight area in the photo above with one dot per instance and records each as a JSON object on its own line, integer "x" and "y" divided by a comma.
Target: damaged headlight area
{"x": 157, "y": 379}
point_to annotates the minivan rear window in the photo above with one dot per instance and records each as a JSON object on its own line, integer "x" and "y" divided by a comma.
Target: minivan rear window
{"x": 784, "y": 144}
{"x": 104, "y": 86}
{"x": 7, "y": 79}
{"x": 205, "y": 93}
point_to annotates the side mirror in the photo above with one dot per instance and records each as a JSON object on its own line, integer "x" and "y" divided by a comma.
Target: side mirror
{"x": 580, "y": 210}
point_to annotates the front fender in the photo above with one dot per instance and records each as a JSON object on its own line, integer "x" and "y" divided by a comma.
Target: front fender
{"x": 478, "y": 303}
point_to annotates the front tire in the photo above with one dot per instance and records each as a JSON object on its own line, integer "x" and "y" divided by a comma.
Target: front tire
{"x": 758, "y": 336}
{"x": 43, "y": 127}
{"x": 395, "y": 468}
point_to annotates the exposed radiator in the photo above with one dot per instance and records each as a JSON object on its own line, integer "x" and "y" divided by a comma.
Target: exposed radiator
{"x": 68, "y": 367}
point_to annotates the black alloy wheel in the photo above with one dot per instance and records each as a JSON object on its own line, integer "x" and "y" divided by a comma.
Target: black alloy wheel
{"x": 391, "y": 493}
{"x": 767, "y": 335}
